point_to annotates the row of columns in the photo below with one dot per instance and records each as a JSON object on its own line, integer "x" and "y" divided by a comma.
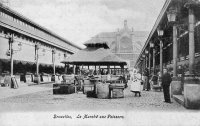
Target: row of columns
{"x": 175, "y": 48}
{"x": 11, "y": 41}
{"x": 37, "y": 60}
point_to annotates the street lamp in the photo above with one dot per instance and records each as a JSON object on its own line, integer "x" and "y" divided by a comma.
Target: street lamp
{"x": 143, "y": 56}
{"x": 37, "y": 47}
{"x": 146, "y": 51}
{"x": 54, "y": 58}
{"x": 171, "y": 15}
{"x": 151, "y": 44}
{"x": 154, "y": 51}
{"x": 11, "y": 51}
{"x": 160, "y": 32}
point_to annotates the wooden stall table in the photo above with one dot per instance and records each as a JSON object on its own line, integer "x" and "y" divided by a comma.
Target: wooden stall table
{"x": 87, "y": 86}
{"x": 111, "y": 81}
{"x": 116, "y": 90}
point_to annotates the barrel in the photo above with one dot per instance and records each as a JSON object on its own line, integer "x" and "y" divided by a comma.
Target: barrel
{"x": 37, "y": 79}
{"x": 7, "y": 81}
{"x": 28, "y": 78}
{"x": 102, "y": 90}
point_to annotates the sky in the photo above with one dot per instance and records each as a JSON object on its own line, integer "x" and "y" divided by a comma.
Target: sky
{"x": 79, "y": 20}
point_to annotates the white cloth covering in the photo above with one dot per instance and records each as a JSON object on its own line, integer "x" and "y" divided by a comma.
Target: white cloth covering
{"x": 136, "y": 85}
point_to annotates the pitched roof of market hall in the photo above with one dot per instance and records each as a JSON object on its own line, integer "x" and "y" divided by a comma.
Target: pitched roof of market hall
{"x": 94, "y": 56}
{"x": 37, "y": 25}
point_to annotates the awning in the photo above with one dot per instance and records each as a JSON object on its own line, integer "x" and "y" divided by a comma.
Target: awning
{"x": 17, "y": 61}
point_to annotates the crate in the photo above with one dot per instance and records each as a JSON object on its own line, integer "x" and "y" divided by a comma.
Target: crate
{"x": 7, "y": 80}
{"x": 117, "y": 93}
{"x": 28, "y": 78}
{"x": 63, "y": 89}
{"x": 87, "y": 88}
{"x": 45, "y": 78}
{"x": 2, "y": 79}
{"x": 18, "y": 79}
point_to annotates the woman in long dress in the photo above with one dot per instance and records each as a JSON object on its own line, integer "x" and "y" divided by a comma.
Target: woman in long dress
{"x": 136, "y": 84}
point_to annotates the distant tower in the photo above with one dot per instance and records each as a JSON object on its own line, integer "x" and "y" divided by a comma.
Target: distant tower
{"x": 125, "y": 24}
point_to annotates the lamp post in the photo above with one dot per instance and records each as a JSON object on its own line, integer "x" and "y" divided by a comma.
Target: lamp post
{"x": 149, "y": 60}
{"x": 160, "y": 34}
{"x": 176, "y": 85}
{"x": 37, "y": 47}
{"x": 146, "y": 52}
{"x": 11, "y": 54}
{"x": 54, "y": 58}
{"x": 142, "y": 64}
{"x": 154, "y": 51}
{"x": 171, "y": 16}
{"x": 65, "y": 57}
{"x": 11, "y": 51}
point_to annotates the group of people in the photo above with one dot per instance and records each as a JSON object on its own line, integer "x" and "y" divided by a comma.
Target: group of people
{"x": 139, "y": 83}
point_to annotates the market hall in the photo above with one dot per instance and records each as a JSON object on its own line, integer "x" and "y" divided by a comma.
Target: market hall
{"x": 30, "y": 51}
{"x": 174, "y": 43}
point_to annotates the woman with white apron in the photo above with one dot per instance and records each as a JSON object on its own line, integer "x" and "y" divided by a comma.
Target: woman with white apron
{"x": 136, "y": 86}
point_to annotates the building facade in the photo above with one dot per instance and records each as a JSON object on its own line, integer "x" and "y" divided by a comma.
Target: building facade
{"x": 30, "y": 44}
{"x": 125, "y": 43}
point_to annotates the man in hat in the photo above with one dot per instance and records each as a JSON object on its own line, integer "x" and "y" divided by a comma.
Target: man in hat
{"x": 166, "y": 80}
{"x": 146, "y": 80}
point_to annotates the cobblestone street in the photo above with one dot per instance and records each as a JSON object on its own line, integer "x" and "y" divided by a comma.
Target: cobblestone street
{"x": 46, "y": 101}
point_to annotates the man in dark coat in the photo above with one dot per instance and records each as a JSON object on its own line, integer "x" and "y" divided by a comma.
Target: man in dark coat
{"x": 166, "y": 80}
{"x": 146, "y": 80}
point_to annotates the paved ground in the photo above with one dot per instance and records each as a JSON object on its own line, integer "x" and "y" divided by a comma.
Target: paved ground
{"x": 44, "y": 100}
{"x": 6, "y": 92}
